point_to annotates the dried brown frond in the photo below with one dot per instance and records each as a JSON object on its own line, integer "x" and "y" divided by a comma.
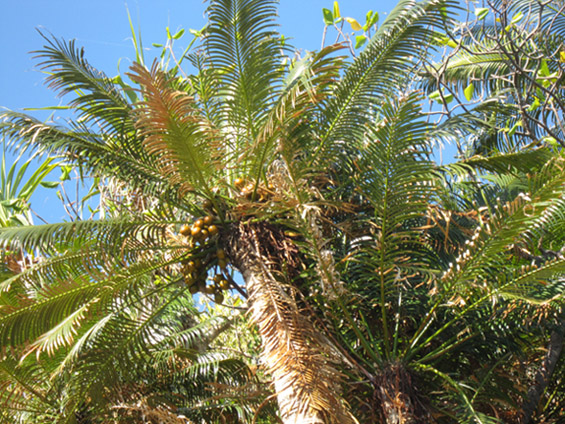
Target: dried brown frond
{"x": 174, "y": 132}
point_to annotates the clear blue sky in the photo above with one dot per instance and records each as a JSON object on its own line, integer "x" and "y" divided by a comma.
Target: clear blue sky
{"x": 102, "y": 27}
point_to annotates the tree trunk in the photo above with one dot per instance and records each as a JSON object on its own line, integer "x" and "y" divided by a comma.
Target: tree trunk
{"x": 305, "y": 381}
{"x": 398, "y": 400}
{"x": 543, "y": 376}
{"x": 283, "y": 346}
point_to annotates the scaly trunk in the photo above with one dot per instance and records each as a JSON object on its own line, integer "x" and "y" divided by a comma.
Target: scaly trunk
{"x": 543, "y": 375}
{"x": 397, "y": 398}
{"x": 283, "y": 346}
{"x": 305, "y": 382}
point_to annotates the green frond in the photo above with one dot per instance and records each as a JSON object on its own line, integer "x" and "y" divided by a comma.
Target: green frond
{"x": 484, "y": 129}
{"x": 475, "y": 62}
{"x": 26, "y": 394}
{"x": 62, "y": 334}
{"x": 113, "y": 235}
{"x": 538, "y": 284}
{"x": 98, "y": 100}
{"x": 523, "y": 161}
{"x": 97, "y": 154}
{"x": 206, "y": 87}
{"x": 197, "y": 337}
{"x": 287, "y": 130}
{"x": 244, "y": 51}
{"x": 388, "y": 254}
{"x": 123, "y": 343}
{"x": 49, "y": 305}
{"x": 505, "y": 227}
{"x": 382, "y": 68}
{"x": 549, "y": 16}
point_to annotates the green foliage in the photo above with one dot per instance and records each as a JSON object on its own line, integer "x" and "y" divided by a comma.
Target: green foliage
{"x": 418, "y": 282}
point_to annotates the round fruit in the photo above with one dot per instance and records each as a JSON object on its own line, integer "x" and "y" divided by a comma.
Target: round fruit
{"x": 207, "y": 204}
{"x": 204, "y": 234}
{"x": 185, "y": 230}
{"x": 195, "y": 231}
{"x": 210, "y": 290}
{"x": 193, "y": 289}
{"x": 199, "y": 223}
{"x": 218, "y": 278}
{"x": 239, "y": 182}
{"x": 213, "y": 230}
{"x": 224, "y": 284}
{"x": 208, "y": 220}
{"x": 219, "y": 298}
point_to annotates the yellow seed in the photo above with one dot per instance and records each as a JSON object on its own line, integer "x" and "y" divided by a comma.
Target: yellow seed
{"x": 239, "y": 182}
{"x": 204, "y": 234}
{"x": 213, "y": 230}
{"x": 218, "y": 278}
{"x": 198, "y": 223}
{"x": 224, "y": 284}
{"x": 208, "y": 220}
{"x": 185, "y": 230}
{"x": 195, "y": 231}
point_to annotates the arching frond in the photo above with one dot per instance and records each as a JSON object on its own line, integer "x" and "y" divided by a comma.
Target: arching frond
{"x": 175, "y": 133}
{"x": 98, "y": 100}
{"x": 245, "y": 52}
{"x": 381, "y": 68}
{"x": 504, "y": 228}
{"x": 512, "y": 163}
{"x": 100, "y": 155}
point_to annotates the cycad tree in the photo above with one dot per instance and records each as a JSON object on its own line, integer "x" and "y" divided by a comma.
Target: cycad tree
{"x": 311, "y": 179}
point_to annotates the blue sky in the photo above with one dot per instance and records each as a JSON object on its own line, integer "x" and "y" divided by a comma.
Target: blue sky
{"x": 102, "y": 27}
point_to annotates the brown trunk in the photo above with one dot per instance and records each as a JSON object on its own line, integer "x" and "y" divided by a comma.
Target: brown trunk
{"x": 397, "y": 398}
{"x": 305, "y": 382}
{"x": 543, "y": 376}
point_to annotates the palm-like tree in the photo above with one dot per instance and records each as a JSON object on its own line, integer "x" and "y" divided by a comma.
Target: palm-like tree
{"x": 511, "y": 69}
{"x": 312, "y": 179}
